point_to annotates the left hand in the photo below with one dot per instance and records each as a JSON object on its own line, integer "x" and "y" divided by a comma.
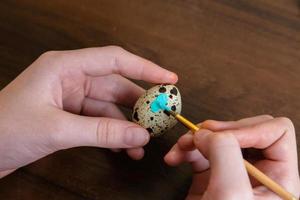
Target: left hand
{"x": 67, "y": 99}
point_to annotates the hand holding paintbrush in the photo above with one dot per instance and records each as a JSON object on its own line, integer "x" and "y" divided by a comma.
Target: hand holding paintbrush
{"x": 273, "y": 143}
{"x": 272, "y": 135}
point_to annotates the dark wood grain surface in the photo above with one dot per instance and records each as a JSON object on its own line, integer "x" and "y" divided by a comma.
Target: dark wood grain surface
{"x": 234, "y": 59}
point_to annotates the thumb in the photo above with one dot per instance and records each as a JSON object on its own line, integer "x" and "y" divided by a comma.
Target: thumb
{"x": 228, "y": 178}
{"x": 74, "y": 130}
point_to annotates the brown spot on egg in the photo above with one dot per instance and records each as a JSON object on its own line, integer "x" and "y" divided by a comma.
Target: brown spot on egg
{"x": 158, "y": 122}
{"x": 136, "y": 116}
{"x": 167, "y": 113}
{"x": 174, "y": 91}
{"x": 162, "y": 90}
{"x": 149, "y": 130}
{"x": 173, "y": 108}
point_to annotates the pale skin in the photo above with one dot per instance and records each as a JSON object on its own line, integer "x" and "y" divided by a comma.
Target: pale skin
{"x": 215, "y": 155}
{"x": 40, "y": 108}
{"x": 67, "y": 99}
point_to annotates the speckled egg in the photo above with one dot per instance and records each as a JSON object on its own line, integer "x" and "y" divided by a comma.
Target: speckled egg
{"x": 160, "y": 121}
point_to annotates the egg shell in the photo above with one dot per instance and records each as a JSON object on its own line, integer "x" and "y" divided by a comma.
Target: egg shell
{"x": 159, "y": 122}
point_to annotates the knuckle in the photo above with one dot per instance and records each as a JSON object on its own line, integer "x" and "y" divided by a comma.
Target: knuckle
{"x": 49, "y": 55}
{"x": 114, "y": 61}
{"x": 102, "y": 133}
{"x": 286, "y": 122}
{"x": 50, "y": 59}
{"x": 115, "y": 84}
{"x": 207, "y": 123}
{"x": 267, "y": 116}
{"x": 222, "y": 139}
{"x": 115, "y": 48}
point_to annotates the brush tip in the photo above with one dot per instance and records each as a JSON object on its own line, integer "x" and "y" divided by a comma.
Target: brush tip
{"x": 171, "y": 113}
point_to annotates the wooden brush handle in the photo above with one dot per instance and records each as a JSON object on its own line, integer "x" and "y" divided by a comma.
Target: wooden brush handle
{"x": 268, "y": 182}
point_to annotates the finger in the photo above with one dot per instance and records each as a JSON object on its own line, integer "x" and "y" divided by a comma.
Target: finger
{"x": 114, "y": 88}
{"x": 276, "y": 137}
{"x": 177, "y": 156}
{"x": 214, "y": 125}
{"x": 184, "y": 151}
{"x": 6, "y": 172}
{"x": 226, "y": 163}
{"x": 186, "y": 142}
{"x": 116, "y": 150}
{"x": 135, "y": 153}
{"x": 91, "y": 107}
{"x": 95, "y": 108}
{"x": 73, "y": 130}
{"x": 113, "y": 60}
{"x": 173, "y": 158}
{"x": 199, "y": 184}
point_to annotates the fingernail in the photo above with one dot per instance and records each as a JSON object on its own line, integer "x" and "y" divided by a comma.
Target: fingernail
{"x": 172, "y": 76}
{"x": 135, "y": 136}
{"x": 171, "y": 159}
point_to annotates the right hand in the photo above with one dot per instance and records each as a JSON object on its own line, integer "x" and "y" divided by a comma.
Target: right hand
{"x": 215, "y": 155}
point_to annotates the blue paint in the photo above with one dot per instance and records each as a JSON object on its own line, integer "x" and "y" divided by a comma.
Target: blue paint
{"x": 160, "y": 103}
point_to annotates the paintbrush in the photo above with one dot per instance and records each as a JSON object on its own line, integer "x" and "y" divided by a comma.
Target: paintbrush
{"x": 252, "y": 170}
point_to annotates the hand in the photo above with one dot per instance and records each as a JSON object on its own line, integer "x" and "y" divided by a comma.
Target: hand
{"x": 39, "y": 110}
{"x": 215, "y": 155}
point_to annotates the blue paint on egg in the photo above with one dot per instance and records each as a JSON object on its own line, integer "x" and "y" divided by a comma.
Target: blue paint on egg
{"x": 160, "y": 103}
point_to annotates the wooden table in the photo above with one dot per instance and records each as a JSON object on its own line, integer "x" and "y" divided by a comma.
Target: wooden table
{"x": 234, "y": 59}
